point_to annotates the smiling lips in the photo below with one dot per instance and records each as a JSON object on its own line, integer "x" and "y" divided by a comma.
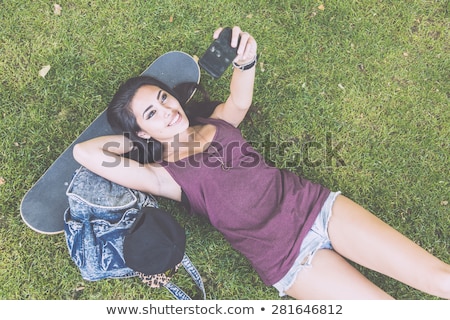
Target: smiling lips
{"x": 175, "y": 120}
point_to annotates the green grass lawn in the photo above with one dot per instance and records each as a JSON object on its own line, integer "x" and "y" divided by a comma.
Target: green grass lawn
{"x": 355, "y": 94}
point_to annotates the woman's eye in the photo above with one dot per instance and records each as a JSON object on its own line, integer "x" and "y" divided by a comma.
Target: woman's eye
{"x": 150, "y": 114}
{"x": 163, "y": 97}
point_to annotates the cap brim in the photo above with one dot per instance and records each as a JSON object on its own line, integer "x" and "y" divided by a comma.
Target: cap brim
{"x": 155, "y": 243}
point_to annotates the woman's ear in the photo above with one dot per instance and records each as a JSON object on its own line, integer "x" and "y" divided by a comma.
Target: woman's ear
{"x": 143, "y": 135}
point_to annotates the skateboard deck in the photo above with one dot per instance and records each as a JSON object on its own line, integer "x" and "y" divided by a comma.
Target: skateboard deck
{"x": 42, "y": 207}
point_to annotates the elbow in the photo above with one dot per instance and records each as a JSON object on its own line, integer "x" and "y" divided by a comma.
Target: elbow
{"x": 242, "y": 104}
{"x": 79, "y": 154}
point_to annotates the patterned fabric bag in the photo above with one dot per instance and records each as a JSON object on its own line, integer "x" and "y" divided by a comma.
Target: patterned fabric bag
{"x": 100, "y": 216}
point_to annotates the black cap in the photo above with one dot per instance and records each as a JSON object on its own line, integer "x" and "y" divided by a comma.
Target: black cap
{"x": 155, "y": 243}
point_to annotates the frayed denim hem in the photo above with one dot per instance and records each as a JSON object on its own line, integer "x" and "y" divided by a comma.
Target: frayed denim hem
{"x": 317, "y": 238}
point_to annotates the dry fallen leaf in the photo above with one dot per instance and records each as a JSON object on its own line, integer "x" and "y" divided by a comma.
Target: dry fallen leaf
{"x": 321, "y": 7}
{"x": 2, "y": 181}
{"x": 43, "y": 72}
{"x": 171, "y": 19}
{"x": 361, "y": 67}
{"x": 57, "y": 9}
{"x": 444, "y": 203}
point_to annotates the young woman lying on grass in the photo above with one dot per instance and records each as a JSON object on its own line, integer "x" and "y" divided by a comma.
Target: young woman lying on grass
{"x": 296, "y": 234}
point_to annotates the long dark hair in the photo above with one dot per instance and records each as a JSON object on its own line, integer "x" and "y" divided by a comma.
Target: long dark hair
{"x": 122, "y": 119}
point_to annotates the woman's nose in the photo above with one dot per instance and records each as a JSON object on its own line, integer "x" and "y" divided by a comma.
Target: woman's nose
{"x": 167, "y": 111}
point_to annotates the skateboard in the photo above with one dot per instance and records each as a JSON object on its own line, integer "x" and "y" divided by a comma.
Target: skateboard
{"x": 43, "y": 205}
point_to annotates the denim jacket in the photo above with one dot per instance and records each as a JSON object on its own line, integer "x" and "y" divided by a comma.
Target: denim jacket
{"x": 99, "y": 214}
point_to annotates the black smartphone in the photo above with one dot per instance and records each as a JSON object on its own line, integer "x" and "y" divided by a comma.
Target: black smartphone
{"x": 219, "y": 55}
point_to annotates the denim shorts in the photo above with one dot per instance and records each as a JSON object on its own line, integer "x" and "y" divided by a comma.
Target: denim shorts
{"x": 317, "y": 238}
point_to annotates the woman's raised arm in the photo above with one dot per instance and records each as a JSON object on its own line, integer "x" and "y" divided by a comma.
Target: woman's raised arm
{"x": 242, "y": 81}
{"x": 103, "y": 156}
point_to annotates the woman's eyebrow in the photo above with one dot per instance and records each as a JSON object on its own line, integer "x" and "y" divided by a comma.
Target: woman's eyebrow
{"x": 151, "y": 106}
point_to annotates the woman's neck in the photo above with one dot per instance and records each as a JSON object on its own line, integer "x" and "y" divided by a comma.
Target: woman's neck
{"x": 194, "y": 140}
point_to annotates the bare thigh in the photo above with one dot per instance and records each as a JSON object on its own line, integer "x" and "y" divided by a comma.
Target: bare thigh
{"x": 359, "y": 236}
{"x": 331, "y": 277}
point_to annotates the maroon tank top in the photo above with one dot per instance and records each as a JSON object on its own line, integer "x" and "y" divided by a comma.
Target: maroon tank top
{"x": 264, "y": 212}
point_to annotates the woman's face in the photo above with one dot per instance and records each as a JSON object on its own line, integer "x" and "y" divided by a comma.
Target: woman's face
{"x": 158, "y": 114}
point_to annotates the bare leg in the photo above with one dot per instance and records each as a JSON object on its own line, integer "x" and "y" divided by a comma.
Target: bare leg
{"x": 331, "y": 277}
{"x": 358, "y": 235}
